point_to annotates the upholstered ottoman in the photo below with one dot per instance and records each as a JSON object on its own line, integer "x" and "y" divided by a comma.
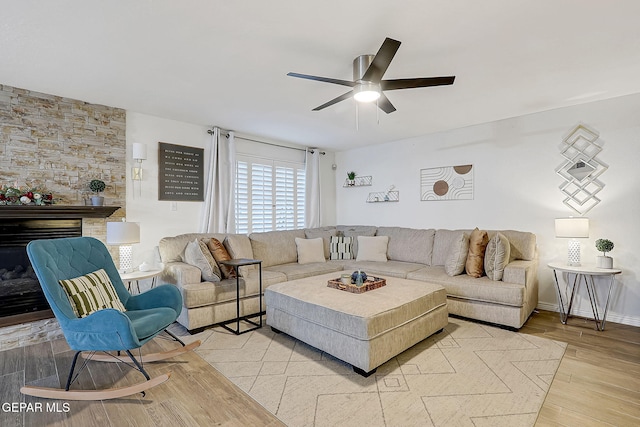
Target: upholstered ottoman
{"x": 365, "y": 329}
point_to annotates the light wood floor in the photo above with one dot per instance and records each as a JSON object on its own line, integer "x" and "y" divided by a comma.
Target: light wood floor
{"x": 597, "y": 384}
{"x": 598, "y": 381}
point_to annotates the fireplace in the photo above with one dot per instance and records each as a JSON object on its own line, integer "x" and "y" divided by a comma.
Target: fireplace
{"x": 21, "y": 297}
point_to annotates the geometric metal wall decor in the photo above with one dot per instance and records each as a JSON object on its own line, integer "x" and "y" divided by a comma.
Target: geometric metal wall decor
{"x": 447, "y": 183}
{"x": 581, "y": 169}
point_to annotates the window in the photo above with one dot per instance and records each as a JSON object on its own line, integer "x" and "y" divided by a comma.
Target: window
{"x": 269, "y": 195}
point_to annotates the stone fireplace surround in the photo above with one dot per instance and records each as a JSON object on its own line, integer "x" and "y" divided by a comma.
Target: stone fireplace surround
{"x": 61, "y": 144}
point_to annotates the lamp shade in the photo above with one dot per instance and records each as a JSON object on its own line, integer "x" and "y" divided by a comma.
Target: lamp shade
{"x": 123, "y": 233}
{"x": 139, "y": 151}
{"x": 572, "y": 227}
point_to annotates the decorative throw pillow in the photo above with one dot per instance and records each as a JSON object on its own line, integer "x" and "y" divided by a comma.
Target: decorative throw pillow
{"x": 220, "y": 253}
{"x": 372, "y": 248}
{"x": 198, "y": 254}
{"x": 326, "y": 234}
{"x": 310, "y": 250}
{"x": 341, "y": 247}
{"x": 204, "y": 248}
{"x": 457, "y": 256}
{"x": 91, "y": 292}
{"x": 497, "y": 256}
{"x": 477, "y": 246}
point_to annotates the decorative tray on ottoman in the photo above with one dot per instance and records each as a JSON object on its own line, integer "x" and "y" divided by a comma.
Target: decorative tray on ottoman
{"x": 368, "y": 285}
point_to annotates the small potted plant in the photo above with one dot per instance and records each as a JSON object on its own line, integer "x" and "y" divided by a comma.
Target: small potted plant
{"x": 352, "y": 178}
{"x": 97, "y": 186}
{"x": 604, "y": 246}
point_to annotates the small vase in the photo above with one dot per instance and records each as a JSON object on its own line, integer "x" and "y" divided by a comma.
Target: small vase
{"x": 604, "y": 262}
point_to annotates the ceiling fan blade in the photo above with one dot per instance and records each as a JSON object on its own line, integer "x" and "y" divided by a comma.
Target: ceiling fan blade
{"x": 381, "y": 61}
{"x": 323, "y": 79}
{"x": 335, "y": 101}
{"x": 385, "y": 105}
{"x": 414, "y": 83}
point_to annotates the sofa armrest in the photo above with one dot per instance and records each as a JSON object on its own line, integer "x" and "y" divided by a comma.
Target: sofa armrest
{"x": 181, "y": 273}
{"x": 520, "y": 272}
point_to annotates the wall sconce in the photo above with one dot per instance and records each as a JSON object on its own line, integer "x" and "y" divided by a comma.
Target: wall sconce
{"x": 573, "y": 228}
{"x": 139, "y": 154}
{"x": 124, "y": 234}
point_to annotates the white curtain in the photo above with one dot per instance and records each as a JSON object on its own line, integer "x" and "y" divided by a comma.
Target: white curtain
{"x": 218, "y": 212}
{"x": 312, "y": 190}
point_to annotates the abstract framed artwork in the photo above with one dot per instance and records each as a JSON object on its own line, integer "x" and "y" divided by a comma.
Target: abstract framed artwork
{"x": 447, "y": 183}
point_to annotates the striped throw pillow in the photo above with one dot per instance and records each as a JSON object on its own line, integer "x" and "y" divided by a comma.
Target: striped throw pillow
{"x": 341, "y": 247}
{"x": 91, "y": 292}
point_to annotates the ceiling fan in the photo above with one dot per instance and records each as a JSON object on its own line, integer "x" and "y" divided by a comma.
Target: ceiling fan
{"x": 367, "y": 81}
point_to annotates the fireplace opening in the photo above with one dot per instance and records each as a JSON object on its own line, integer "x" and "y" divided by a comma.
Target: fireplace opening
{"x": 21, "y": 296}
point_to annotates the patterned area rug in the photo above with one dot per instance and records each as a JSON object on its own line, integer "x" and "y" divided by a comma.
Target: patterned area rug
{"x": 470, "y": 374}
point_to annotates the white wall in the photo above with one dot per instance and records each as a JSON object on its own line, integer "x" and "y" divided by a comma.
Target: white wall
{"x": 516, "y": 187}
{"x": 157, "y": 218}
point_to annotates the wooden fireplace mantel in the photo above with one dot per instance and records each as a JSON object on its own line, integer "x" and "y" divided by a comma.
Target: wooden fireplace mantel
{"x": 56, "y": 211}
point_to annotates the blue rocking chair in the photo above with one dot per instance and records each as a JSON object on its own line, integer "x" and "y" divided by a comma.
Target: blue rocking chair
{"x": 146, "y": 315}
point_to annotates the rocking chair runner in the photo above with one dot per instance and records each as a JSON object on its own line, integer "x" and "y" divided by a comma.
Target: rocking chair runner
{"x": 146, "y": 315}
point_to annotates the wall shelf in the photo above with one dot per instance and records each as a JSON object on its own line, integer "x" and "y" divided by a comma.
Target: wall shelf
{"x": 383, "y": 197}
{"x": 359, "y": 181}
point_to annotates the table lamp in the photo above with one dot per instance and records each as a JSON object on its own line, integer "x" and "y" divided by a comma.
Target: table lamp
{"x": 124, "y": 234}
{"x": 573, "y": 228}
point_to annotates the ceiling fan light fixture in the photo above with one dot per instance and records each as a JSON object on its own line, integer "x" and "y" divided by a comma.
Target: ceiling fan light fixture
{"x": 366, "y": 92}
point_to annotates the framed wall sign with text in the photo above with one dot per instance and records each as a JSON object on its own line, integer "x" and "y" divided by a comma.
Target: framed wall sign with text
{"x": 181, "y": 173}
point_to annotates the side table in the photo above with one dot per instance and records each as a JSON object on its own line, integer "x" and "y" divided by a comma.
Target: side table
{"x": 242, "y": 262}
{"x": 586, "y": 274}
{"x": 137, "y": 275}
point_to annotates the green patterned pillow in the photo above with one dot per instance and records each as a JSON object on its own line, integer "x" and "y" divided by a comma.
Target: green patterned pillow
{"x": 91, "y": 292}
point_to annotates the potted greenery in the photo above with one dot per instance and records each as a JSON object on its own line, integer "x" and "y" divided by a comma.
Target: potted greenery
{"x": 352, "y": 178}
{"x": 97, "y": 186}
{"x": 604, "y": 246}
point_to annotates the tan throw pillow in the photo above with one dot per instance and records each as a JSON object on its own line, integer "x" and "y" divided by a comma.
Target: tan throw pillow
{"x": 91, "y": 292}
{"x": 197, "y": 253}
{"x": 457, "y": 256}
{"x": 372, "y": 248}
{"x": 497, "y": 256}
{"x": 220, "y": 253}
{"x": 310, "y": 250}
{"x": 477, "y": 246}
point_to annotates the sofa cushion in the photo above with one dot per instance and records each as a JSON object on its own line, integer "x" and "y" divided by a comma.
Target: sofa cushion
{"x": 522, "y": 243}
{"x": 383, "y": 269}
{"x": 442, "y": 241}
{"x": 471, "y": 288}
{"x": 295, "y": 271}
{"x": 310, "y": 250}
{"x": 372, "y": 248}
{"x": 477, "y": 247}
{"x": 239, "y": 246}
{"x": 220, "y": 253}
{"x": 326, "y": 233}
{"x": 275, "y": 247}
{"x": 341, "y": 248}
{"x": 197, "y": 253}
{"x": 497, "y": 256}
{"x": 457, "y": 256}
{"x": 172, "y": 248}
{"x": 408, "y": 244}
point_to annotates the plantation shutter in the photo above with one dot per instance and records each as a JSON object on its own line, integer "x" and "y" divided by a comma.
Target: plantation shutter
{"x": 269, "y": 195}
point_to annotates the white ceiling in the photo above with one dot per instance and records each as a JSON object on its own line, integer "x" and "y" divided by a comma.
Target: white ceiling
{"x": 215, "y": 62}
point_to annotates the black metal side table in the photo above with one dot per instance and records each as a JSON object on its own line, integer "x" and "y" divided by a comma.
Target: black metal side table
{"x": 242, "y": 262}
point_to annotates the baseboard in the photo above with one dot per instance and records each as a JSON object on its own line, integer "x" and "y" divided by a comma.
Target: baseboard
{"x": 611, "y": 317}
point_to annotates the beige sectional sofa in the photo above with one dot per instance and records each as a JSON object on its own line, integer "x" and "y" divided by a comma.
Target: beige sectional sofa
{"x": 417, "y": 254}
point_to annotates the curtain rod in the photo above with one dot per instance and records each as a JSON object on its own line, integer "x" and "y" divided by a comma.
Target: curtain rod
{"x": 311, "y": 150}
